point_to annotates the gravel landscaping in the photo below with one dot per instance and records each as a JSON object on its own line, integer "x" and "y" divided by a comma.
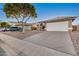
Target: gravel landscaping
{"x": 21, "y": 35}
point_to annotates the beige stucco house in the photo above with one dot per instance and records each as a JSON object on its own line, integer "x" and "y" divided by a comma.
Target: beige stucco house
{"x": 55, "y": 24}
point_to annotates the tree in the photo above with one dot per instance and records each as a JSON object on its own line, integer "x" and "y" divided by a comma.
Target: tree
{"x": 4, "y": 25}
{"x": 22, "y": 11}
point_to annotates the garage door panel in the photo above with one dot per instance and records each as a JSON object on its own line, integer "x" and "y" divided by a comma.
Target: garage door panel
{"x": 57, "y": 26}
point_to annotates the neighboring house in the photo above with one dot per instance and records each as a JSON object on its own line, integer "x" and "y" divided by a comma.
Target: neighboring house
{"x": 59, "y": 24}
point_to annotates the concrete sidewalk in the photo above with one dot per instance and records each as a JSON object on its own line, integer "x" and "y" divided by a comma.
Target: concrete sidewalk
{"x": 57, "y": 40}
{"x": 20, "y": 47}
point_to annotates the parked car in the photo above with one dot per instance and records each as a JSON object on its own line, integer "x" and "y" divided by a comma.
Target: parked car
{"x": 1, "y": 29}
{"x": 15, "y": 29}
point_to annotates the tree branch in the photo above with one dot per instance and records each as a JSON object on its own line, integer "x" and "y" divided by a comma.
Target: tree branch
{"x": 17, "y": 19}
{"x": 23, "y": 18}
{"x": 27, "y": 19}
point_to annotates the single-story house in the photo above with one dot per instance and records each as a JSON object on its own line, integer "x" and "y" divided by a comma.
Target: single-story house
{"x": 58, "y": 24}
{"x": 55, "y": 24}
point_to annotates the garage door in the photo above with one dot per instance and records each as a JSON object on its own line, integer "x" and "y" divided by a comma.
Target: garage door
{"x": 57, "y": 26}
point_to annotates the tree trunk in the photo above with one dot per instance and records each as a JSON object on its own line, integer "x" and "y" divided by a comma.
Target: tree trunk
{"x": 23, "y": 23}
{"x": 4, "y": 29}
{"x": 23, "y": 27}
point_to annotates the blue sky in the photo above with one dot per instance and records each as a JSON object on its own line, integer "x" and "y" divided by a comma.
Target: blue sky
{"x": 49, "y": 10}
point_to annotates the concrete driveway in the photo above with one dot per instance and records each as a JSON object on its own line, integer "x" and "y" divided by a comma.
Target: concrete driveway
{"x": 16, "y": 47}
{"x": 41, "y": 44}
{"x": 57, "y": 40}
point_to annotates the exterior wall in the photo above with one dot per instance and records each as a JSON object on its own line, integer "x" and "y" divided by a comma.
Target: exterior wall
{"x": 26, "y": 27}
{"x": 70, "y": 26}
{"x": 78, "y": 27}
{"x": 58, "y": 26}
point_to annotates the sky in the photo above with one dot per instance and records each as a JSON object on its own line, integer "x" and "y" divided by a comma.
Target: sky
{"x": 47, "y": 11}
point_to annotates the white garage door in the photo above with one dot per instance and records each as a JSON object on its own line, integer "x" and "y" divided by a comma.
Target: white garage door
{"x": 57, "y": 26}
